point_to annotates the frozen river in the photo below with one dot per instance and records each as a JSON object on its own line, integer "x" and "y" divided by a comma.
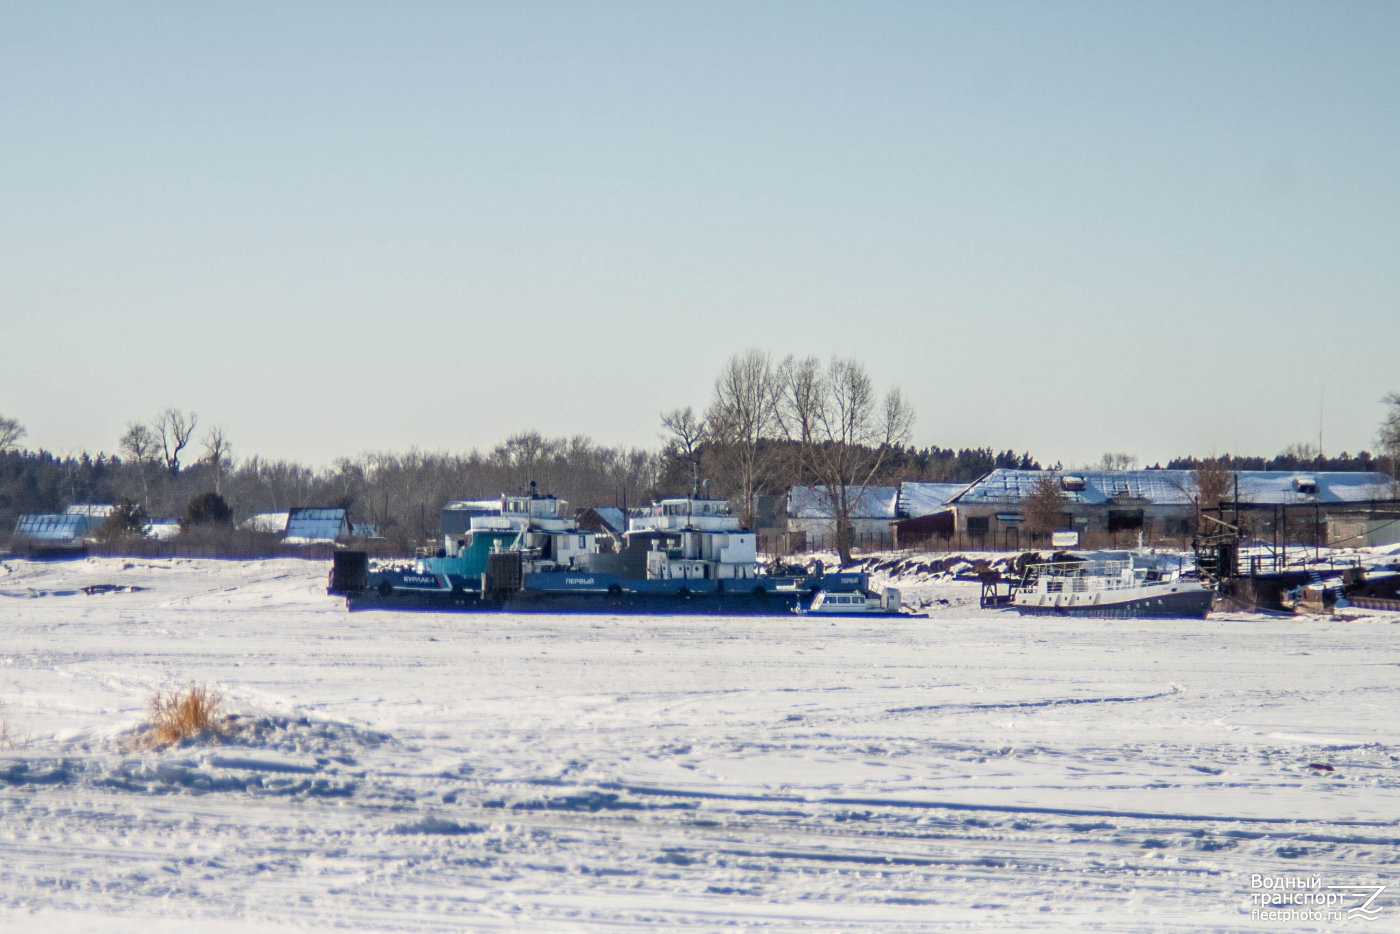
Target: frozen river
{"x": 971, "y": 770}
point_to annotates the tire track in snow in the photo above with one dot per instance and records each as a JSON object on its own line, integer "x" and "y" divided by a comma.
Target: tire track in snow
{"x": 1051, "y": 702}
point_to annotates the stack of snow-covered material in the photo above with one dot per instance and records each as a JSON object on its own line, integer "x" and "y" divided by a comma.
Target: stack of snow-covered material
{"x": 163, "y": 530}
{"x": 268, "y": 523}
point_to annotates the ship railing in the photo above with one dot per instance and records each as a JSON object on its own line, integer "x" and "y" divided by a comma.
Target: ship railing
{"x": 1080, "y": 576}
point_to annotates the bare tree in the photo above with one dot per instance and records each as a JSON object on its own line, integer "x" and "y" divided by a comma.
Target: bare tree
{"x": 1045, "y": 504}
{"x": 217, "y": 453}
{"x": 527, "y": 456}
{"x": 1118, "y": 460}
{"x": 1388, "y": 438}
{"x": 348, "y": 482}
{"x": 684, "y": 433}
{"x": 1213, "y": 479}
{"x": 1300, "y": 454}
{"x": 743, "y": 421}
{"x": 842, "y": 430}
{"x": 684, "y": 447}
{"x": 174, "y": 429}
{"x": 632, "y": 472}
{"x": 280, "y": 485}
{"x": 139, "y": 444}
{"x": 10, "y": 433}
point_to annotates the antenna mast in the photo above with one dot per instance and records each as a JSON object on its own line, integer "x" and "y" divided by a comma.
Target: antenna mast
{"x": 1321, "y": 414}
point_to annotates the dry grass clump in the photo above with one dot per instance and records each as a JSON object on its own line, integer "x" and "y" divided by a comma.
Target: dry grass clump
{"x": 10, "y": 738}
{"x": 177, "y": 716}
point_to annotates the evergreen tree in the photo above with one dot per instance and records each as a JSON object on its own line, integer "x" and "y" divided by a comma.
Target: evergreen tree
{"x": 206, "y": 509}
{"x": 127, "y": 520}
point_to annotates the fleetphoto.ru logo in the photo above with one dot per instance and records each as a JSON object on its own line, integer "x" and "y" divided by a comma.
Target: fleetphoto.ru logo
{"x": 1309, "y": 898}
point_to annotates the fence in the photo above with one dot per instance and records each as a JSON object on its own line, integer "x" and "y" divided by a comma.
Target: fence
{"x": 1013, "y": 539}
{"x": 798, "y": 542}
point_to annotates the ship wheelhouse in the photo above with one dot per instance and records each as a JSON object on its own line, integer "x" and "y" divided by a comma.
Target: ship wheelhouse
{"x": 693, "y": 538}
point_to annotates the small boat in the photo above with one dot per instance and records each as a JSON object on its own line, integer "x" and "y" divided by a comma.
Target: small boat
{"x": 857, "y": 603}
{"x": 1113, "y": 584}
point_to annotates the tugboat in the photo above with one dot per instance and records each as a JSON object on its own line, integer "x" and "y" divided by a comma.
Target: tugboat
{"x": 1113, "y": 584}
{"x": 526, "y": 554}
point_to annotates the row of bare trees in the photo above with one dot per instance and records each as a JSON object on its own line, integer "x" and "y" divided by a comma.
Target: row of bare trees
{"x": 772, "y": 423}
{"x": 768, "y": 424}
{"x": 400, "y": 493}
{"x": 159, "y": 443}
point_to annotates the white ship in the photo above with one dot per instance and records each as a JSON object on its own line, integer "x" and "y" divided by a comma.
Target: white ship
{"x": 1121, "y": 584}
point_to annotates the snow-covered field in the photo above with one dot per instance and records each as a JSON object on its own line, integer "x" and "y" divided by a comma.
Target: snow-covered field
{"x": 967, "y": 770}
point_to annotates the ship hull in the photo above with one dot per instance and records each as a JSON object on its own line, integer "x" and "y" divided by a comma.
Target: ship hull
{"x": 430, "y": 587}
{"x": 1187, "y": 604}
{"x": 780, "y": 603}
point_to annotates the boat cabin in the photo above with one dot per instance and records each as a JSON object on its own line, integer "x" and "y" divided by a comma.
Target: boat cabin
{"x": 693, "y": 538}
{"x": 540, "y": 527}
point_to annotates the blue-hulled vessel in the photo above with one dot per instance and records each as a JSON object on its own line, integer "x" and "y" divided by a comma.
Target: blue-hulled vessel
{"x": 526, "y": 553}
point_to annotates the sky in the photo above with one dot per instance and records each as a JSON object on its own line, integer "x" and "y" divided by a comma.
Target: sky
{"x": 1062, "y": 228}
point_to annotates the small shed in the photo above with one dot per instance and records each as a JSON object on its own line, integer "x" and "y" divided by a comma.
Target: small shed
{"x": 309, "y": 524}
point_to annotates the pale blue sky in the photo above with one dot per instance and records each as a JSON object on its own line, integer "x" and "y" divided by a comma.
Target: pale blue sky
{"x": 1066, "y": 228}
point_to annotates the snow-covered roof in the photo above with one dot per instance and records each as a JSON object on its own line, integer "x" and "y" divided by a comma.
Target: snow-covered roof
{"x": 93, "y": 510}
{"x": 923, "y": 499}
{"x": 1284, "y": 487}
{"x": 613, "y": 516}
{"x": 52, "y": 527}
{"x": 813, "y": 502}
{"x": 315, "y": 524}
{"x": 1178, "y": 487}
{"x": 478, "y": 506}
{"x": 1160, "y": 487}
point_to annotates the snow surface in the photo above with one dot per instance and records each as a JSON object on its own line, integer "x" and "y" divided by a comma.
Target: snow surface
{"x": 968, "y": 769}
